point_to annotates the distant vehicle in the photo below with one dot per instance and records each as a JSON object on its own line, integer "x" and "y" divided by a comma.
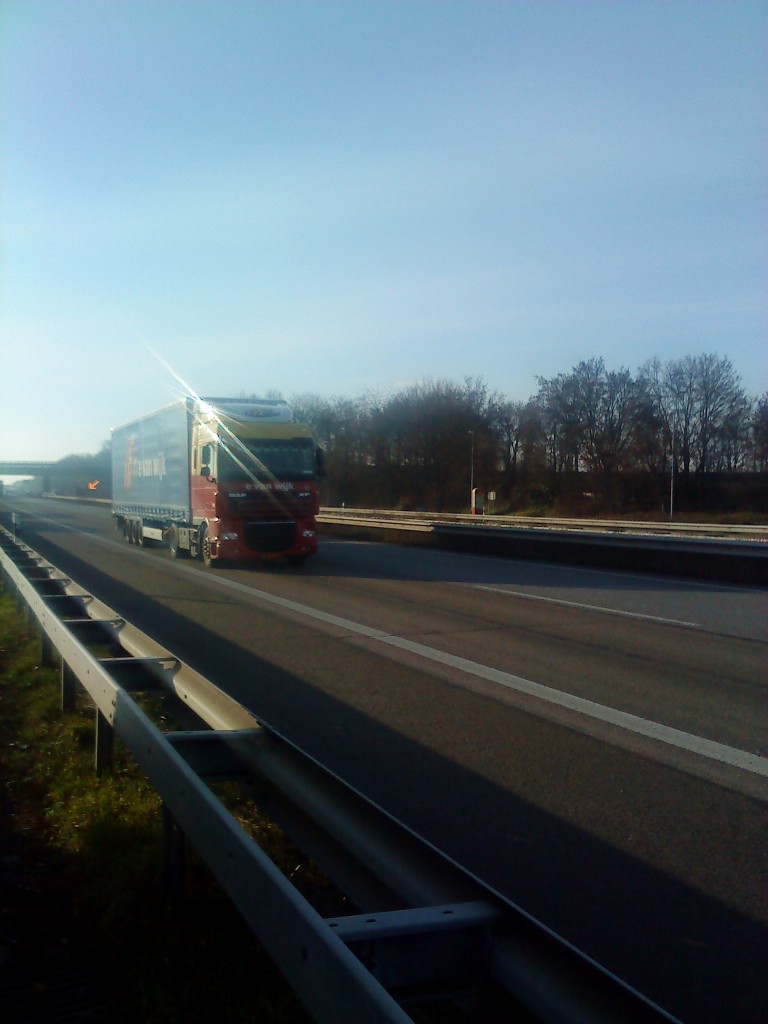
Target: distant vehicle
{"x": 219, "y": 479}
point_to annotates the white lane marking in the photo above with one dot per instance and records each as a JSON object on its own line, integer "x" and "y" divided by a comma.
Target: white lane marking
{"x": 743, "y": 759}
{"x": 586, "y": 607}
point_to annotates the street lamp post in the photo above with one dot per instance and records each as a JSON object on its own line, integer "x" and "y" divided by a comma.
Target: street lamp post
{"x": 672, "y": 475}
{"x": 472, "y": 472}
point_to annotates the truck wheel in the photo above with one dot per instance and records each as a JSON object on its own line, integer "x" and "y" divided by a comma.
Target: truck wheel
{"x": 205, "y": 549}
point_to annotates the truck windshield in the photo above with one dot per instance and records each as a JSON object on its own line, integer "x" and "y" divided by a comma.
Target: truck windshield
{"x": 267, "y": 459}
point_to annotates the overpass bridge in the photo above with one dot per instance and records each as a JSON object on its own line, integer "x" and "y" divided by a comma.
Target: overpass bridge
{"x": 43, "y": 469}
{"x": 25, "y": 468}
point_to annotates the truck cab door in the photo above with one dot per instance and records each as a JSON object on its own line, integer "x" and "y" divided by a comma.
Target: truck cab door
{"x": 203, "y": 481}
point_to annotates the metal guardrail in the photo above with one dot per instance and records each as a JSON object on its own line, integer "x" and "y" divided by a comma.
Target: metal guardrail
{"x": 755, "y": 534}
{"x": 740, "y": 557}
{"x": 428, "y": 927}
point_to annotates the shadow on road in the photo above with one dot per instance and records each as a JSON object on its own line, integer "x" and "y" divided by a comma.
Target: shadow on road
{"x": 695, "y": 956}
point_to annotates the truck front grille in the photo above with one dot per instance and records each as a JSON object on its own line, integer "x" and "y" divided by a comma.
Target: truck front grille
{"x": 271, "y": 536}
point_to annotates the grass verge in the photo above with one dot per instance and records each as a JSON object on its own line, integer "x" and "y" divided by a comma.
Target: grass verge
{"x": 85, "y": 928}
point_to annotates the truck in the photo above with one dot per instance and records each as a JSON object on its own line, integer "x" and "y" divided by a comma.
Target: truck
{"x": 219, "y": 479}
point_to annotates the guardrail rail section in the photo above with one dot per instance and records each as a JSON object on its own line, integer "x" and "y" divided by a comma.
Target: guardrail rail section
{"x": 737, "y": 554}
{"x": 425, "y": 929}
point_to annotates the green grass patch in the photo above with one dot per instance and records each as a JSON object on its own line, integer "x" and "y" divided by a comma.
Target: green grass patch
{"x": 81, "y": 872}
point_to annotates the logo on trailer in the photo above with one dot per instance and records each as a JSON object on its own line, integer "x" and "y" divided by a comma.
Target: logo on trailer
{"x": 142, "y": 468}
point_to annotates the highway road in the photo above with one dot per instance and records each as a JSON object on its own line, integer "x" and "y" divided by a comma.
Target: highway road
{"x": 591, "y": 744}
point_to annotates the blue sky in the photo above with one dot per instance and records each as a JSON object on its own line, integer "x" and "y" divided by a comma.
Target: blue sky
{"x": 349, "y": 197}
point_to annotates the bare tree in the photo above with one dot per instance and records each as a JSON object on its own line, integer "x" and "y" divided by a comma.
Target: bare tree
{"x": 561, "y": 426}
{"x": 720, "y": 405}
{"x": 606, "y": 404}
{"x": 508, "y": 422}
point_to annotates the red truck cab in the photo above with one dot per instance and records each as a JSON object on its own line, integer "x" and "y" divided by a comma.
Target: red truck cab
{"x": 253, "y": 484}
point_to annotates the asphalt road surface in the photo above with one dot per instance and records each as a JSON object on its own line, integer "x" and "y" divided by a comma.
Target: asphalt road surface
{"x": 592, "y": 744}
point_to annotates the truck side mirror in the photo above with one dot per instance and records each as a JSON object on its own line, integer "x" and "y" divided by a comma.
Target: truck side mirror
{"x": 320, "y": 462}
{"x": 205, "y": 458}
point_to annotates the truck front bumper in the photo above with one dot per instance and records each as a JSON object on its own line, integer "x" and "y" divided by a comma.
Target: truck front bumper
{"x": 265, "y": 541}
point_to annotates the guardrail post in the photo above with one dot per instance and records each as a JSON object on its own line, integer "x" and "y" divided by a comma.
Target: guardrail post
{"x": 47, "y": 652}
{"x": 68, "y": 680}
{"x": 105, "y": 744}
{"x": 174, "y": 857}
{"x": 35, "y": 626}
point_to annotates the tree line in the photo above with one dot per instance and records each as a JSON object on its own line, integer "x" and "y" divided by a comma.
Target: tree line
{"x": 588, "y": 441}
{"x": 591, "y": 439}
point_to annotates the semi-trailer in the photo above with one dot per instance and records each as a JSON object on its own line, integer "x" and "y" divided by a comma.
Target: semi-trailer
{"x": 219, "y": 479}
